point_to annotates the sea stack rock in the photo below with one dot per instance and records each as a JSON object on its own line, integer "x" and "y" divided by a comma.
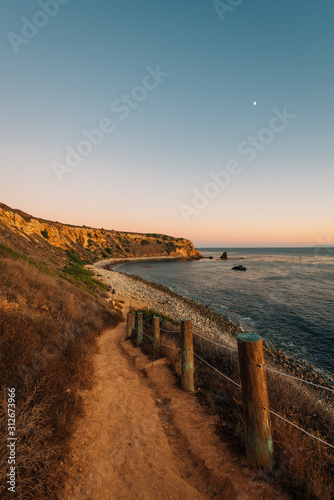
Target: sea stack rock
{"x": 239, "y": 268}
{"x": 224, "y": 256}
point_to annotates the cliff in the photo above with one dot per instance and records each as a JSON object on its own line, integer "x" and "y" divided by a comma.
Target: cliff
{"x": 47, "y": 241}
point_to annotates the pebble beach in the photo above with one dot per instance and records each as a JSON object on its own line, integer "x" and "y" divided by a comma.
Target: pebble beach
{"x": 164, "y": 300}
{"x": 143, "y": 293}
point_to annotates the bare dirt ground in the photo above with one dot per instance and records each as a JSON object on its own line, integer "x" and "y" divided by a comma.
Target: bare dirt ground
{"x": 143, "y": 438}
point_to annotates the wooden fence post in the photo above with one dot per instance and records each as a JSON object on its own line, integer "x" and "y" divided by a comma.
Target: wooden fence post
{"x": 156, "y": 334}
{"x": 139, "y": 328}
{"x": 187, "y": 356}
{"x": 129, "y": 325}
{"x": 259, "y": 442}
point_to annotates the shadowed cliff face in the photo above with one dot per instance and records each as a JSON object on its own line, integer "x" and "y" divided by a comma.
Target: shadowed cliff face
{"x": 47, "y": 240}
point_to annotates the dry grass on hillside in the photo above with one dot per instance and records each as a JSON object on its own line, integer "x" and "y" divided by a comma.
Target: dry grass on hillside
{"x": 48, "y": 331}
{"x": 303, "y": 466}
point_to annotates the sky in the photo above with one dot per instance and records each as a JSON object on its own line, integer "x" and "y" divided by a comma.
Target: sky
{"x": 141, "y": 116}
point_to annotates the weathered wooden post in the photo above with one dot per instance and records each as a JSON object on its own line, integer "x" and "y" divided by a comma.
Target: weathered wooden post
{"x": 156, "y": 334}
{"x": 129, "y": 325}
{"x": 139, "y": 329}
{"x": 259, "y": 442}
{"x": 187, "y": 356}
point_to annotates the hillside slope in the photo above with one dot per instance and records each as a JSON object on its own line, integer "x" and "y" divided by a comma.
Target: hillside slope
{"x": 46, "y": 240}
{"x": 48, "y": 335}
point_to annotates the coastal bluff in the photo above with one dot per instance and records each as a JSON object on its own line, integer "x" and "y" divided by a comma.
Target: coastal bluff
{"x": 47, "y": 240}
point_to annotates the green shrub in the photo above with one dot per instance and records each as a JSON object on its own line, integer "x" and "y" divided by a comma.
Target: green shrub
{"x": 149, "y": 314}
{"x": 78, "y": 272}
{"x": 16, "y": 255}
{"x": 108, "y": 250}
{"x": 144, "y": 242}
{"x": 118, "y": 247}
{"x": 165, "y": 238}
{"x": 75, "y": 257}
{"x": 45, "y": 234}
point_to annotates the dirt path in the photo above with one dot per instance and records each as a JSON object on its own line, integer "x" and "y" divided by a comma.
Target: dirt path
{"x": 143, "y": 438}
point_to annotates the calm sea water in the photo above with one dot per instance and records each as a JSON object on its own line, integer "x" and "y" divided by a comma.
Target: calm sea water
{"x": 286, "y": 295}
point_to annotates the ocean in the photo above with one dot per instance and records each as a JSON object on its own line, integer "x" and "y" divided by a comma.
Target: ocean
{"x": 286, "y": 295}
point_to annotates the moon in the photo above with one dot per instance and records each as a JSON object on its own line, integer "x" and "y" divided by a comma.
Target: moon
{"x": 254, "y": 103}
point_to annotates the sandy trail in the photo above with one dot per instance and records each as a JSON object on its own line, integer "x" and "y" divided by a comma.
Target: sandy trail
{"x": 143, "y": 438}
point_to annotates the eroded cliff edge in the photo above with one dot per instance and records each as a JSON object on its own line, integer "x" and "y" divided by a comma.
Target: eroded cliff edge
{"x": 47, "y": 240}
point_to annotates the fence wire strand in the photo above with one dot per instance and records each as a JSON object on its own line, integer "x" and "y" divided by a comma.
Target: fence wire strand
{"x": 150, "y": 326}
{"x": 216, "y": 343}
{"x": 297, "y": 378}
{"x": 160, "y": 343}
{"x": 238, "y": 385}
{"x": 297, "y": 427}
{"x": 215, "y": 369}
{"x": 170, "y": 331}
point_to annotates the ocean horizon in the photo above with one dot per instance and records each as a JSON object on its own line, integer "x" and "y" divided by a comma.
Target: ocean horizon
{"x": 286, "y": 295}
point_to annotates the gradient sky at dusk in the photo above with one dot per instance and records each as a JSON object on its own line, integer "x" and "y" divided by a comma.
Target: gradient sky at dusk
{"x": 65, "y": 77}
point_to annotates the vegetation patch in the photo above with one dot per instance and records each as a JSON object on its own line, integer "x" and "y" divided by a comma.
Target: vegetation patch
{"x": 149, "y": 314}
{"x": 171, "y": 246}
{"x": 48, "y": 332}
{"x": 84, "y": 276}
{"x": 6, "y": 251}
{"x": 45, "y": 234}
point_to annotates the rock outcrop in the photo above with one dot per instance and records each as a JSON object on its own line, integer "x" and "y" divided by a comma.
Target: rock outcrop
{"x": 239, "y": 268}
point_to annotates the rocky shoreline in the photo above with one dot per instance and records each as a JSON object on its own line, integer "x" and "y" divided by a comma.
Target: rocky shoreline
{"x": 204, "y": 319}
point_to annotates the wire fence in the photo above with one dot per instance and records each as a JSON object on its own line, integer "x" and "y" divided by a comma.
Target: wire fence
{"x": 297, "y": 427}
{"x": 161, "y": 344}
{"x": 298, "y": 378}
{"x": 220, "y": 345}
{"x": 162, "y": 329}
{"x": 223, "y": 346}
{"x": 215, "y": 369}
